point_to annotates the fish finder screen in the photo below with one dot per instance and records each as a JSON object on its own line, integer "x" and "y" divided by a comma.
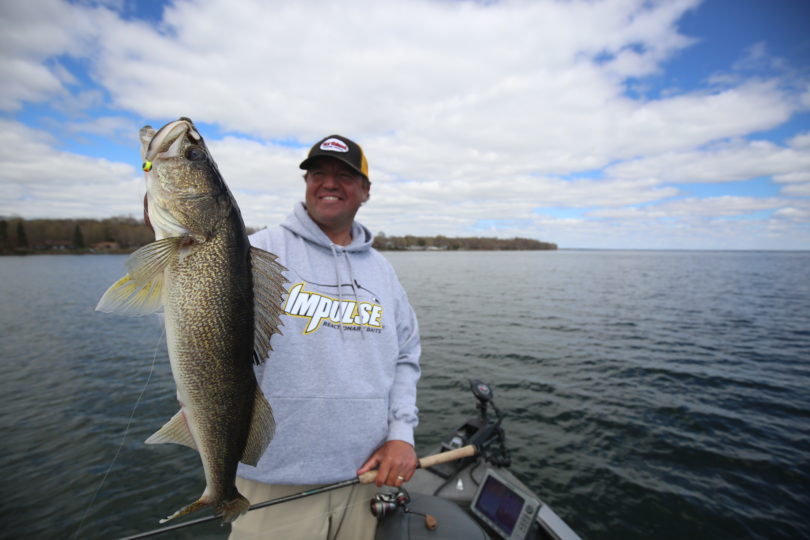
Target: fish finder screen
{"x": 500, "y": 504}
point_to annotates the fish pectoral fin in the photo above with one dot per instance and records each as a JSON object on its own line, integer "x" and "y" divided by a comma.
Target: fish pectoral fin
{"x": 262, "y": 428}
{"x": 268, "y": 292}
{"x": 127, "y": 297}
{"x": 148, "y": 263}
{"x": 140, "y": 292}
{"x": 174, "y": 431}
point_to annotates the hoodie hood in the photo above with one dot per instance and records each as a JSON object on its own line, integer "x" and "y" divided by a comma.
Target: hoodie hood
{"x": 301, "y": 224}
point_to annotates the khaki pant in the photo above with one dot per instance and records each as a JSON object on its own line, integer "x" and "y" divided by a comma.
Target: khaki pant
{"x": 342, "y": 514}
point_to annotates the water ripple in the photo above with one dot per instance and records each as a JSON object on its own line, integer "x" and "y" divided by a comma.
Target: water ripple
{"x": 648, "y": 394}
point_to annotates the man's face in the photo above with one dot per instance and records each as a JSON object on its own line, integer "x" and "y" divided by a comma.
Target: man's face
{"x": 334, "y": 193}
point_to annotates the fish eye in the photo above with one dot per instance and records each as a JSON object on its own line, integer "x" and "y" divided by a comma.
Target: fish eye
{"x": 195, "y": 153}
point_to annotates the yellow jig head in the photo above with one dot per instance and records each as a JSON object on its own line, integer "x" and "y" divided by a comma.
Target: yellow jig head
{"x": 147, "y": 166}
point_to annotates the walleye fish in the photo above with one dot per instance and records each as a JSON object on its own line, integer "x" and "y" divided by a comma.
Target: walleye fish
{"x": 221, "y": 300}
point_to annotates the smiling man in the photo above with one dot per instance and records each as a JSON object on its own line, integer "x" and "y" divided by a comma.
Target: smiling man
{"x": 337, "y": 184}
{"x": 341, "y": 380}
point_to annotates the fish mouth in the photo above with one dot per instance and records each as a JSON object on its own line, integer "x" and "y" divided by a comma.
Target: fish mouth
{"x": 166, "y": 137}
{"x": 166, "y": 142}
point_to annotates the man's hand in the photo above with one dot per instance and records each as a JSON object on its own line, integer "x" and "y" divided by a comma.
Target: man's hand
{"x": 395, "y": 462}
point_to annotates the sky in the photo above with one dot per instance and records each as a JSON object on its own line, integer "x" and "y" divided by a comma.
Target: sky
{"x": 620, "y": 124}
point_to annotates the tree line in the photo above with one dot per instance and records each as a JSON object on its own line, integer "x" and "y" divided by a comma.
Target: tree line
{"x": 117, "y": 234}
{"x": 125, "y": 234}
{"x": 483, "y": 243}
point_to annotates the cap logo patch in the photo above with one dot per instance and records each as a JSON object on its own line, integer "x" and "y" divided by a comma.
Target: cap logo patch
{"x": 334, "y": 145}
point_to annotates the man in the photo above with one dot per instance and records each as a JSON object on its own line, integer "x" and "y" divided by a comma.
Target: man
{"x": 342, "y": 378}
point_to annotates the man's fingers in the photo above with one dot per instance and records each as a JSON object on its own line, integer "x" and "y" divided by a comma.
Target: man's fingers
{"x": 370, "y": 464}
{"x": 395, "y": 462}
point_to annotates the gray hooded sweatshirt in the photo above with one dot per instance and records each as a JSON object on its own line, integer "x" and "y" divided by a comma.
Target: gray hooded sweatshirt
{"x": 342, "y": 378}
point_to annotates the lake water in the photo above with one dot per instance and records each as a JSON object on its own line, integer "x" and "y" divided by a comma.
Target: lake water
{"x": 648, "y": 394}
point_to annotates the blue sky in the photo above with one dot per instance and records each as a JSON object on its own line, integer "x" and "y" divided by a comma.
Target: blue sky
{"x": 676, "y": 124}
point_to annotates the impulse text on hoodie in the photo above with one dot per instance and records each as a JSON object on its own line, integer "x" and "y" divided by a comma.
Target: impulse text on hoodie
{"x": 318, "y": 308}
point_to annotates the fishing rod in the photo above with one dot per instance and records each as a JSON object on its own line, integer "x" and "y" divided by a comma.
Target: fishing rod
{"x": 365, "y": 478}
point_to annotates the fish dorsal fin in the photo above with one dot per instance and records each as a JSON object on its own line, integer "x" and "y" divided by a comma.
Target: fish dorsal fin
{"x": 140, "y": 291}
{"x": 268, "y": 292}
{"x": 174, "y": 431}
{"x": 262, "y": 428}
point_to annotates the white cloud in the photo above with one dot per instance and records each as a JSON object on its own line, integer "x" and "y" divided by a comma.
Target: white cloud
{"x": 797, "y": 190}
{"x": 108, "y": 126}
{"x": 40, "y": 181}
{"x": 31, "y": 34}
{"x": 724, "y": 162}
{"x": 472, "y": 86}
{"x": 794, "y": 214}
{"x": 29, "y": 158}
{"x": 800, "y": 141}
{"x": 264, "y": 178}
{"x": 692, "y": 207}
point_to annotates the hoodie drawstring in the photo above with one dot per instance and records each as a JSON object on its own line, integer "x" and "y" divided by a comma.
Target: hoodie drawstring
{"x": 340, "y": 287}
{"x": 352, "y": 281}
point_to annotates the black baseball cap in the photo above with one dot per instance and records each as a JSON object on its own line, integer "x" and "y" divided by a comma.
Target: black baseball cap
{"x": 338, "y": 147}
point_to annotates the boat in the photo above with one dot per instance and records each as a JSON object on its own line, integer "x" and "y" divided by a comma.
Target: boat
{"x": 473, "y": 497}
{"x": 476, "y": 497}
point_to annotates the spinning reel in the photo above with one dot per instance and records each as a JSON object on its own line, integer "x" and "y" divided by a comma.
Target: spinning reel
{"x": 384, "y": 504}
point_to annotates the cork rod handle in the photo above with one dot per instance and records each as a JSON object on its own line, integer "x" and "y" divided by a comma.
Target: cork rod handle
{"x": 429, "y": 461}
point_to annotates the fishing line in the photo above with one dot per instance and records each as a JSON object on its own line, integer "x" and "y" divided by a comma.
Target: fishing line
{"x": 126, "y": 432}
{"x": 259, "y": 506}
{"x": 366, "y": 478}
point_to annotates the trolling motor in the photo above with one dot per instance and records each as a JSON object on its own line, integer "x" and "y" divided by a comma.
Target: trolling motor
{"x": 384, "y": 504}
{"x": 483, "y": 393}
{"x": 493, "y": 432}
{"x": 483, "y": 431}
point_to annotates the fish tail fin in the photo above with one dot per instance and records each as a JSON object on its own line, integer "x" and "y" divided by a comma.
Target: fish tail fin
{"x": 193, "y": 507}
{"x": 230, "y": 510}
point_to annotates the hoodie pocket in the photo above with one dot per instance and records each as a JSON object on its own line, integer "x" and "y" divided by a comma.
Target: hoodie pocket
{"x": 324, "y": 439}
